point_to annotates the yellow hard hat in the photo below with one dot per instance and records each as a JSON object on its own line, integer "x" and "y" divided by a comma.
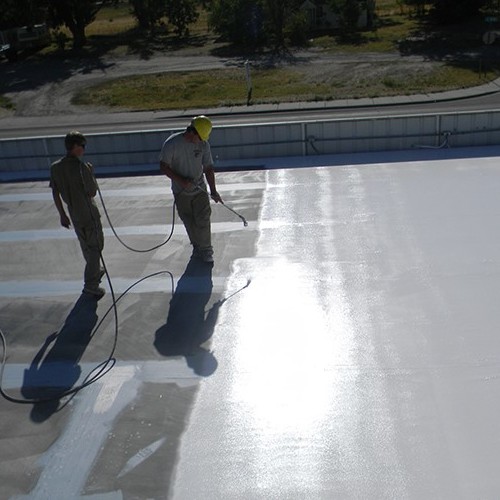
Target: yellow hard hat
{"x": 203, "y": 126}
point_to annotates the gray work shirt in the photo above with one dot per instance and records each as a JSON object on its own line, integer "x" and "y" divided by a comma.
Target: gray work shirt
{"x": 75, "y": 182}
{"x": 186, "y": 159}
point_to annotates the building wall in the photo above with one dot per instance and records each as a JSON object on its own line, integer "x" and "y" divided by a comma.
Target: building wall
{"x": 233, "y": 143}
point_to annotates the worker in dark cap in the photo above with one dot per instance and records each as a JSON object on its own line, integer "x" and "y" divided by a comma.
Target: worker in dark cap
{"x": 73, "y": 181}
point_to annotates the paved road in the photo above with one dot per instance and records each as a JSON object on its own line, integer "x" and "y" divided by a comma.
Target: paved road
{"x": 485, "y": 98}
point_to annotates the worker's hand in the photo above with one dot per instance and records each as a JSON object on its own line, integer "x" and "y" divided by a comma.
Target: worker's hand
{"x": 65, "y": 222}
{"x": 216, "y": 197}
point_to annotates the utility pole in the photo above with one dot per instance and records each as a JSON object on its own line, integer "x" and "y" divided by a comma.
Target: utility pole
{"x": 249, "y": 82}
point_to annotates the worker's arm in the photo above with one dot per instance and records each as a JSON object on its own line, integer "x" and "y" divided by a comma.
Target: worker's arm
{"x": 182, "y": 181}
{"x": 65, "y": 221}
{"x": 210, "y": 176}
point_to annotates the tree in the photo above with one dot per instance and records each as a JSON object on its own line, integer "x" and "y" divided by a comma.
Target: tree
{"x": 348, "y": 12}
{"x": 148, "y": 12}
{"x": 419, "y": 6}
{"x": 250, "y": 23}
{"x": 76, "y": 15}
{"x": 181, "y": 13}
{"x": 370, "y": 6}
{"x": 238, "y": 21}
{"x": 297, "y": 29}
{"x": 278, "y": 14}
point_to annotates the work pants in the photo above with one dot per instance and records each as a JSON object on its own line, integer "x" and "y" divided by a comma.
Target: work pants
{"x": 195, "y": 211}
{"x": 91, "y": 240}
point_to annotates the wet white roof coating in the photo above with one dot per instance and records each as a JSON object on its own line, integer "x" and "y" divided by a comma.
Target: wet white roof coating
{"x": 346, "y": 344}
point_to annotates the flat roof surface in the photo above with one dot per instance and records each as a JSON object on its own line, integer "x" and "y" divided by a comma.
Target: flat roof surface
{"x": 345, "y": 344}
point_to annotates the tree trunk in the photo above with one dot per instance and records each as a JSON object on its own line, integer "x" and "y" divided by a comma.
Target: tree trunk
{"x": 79, "y": 37}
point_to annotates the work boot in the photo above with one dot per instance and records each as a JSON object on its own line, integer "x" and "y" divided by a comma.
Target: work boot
{"x": 207, "y": 255}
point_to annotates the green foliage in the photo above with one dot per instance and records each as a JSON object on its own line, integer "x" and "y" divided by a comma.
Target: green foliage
{"x": 76, "y": 15}
{"x": 6, "y": 103}
{"x": 237, "y": 21}
{"x": 297, "y": 29}
{"x": 148, "y": 12}
{"x": 418, "y": 5}
{"x": 246, "y": 22}
{"x": 348, "y": 12}
{"x": 181, "y": 13}
{"x": 61, "y": 39}
{"x": 277, "y": 15}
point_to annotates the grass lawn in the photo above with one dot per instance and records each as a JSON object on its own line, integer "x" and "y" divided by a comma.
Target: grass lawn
{"x": 203, "y": 89}
{"x": 181, "y": 90}
{"x": 5, "y": 103}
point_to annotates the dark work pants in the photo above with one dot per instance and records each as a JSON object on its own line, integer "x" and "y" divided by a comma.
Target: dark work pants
{"x": 91, "y": 240}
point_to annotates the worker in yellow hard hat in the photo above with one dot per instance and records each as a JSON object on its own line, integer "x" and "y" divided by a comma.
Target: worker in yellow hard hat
{"x": 186, "y": 159}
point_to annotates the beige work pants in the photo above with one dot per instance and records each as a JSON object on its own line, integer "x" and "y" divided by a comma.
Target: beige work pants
{"x": 91, "y": 241}
{"x": 195, "y": 212}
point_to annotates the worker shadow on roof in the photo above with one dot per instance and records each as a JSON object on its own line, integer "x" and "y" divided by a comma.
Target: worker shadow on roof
{"x": 55, "y": 368}
{"x": 188, "y": 324}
